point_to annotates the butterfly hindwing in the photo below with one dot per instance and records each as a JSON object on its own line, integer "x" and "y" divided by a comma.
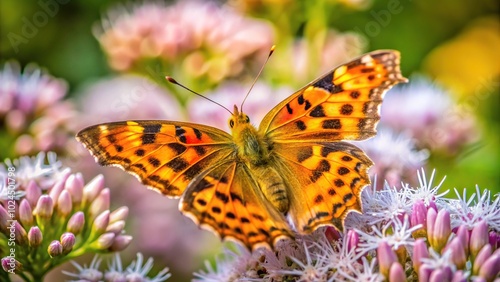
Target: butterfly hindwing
{"x": 227, "y": 199}
{"x": 163, "y": 155}
{"x": 341, "y": 105}
{"x": 325, "y": 182}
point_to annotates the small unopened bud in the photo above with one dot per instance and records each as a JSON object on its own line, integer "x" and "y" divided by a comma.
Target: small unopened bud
{"x": 386, "y": 257}
{"x": 25, "y": 213}
{"x": 35, "y": 237}
{"x": 92, "y": 189}
{"x": 44, "y": 207}
{"x": 76, "y": 223}
{"x": 10, "y": 264}
{"x": 101, "y": 223}
{"x": 67, "y": 241}
{"x": 55, "y": 249}
{"x": 120, "y": 243}
{"x": 64, "y": 203}
{"x": 104, "y": 241}
{"x": 478, "y": 238}
{"x": 20, "y": 234}
{"x": 100, "y": 204}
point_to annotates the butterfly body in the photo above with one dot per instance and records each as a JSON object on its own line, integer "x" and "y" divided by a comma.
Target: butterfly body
{"x": 241, "y": 185}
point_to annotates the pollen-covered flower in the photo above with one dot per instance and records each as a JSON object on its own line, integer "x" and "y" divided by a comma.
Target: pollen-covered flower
{"x": 196, "y": 40}
{"x": 58, "y": 216}
{"x": 32, "y": 112}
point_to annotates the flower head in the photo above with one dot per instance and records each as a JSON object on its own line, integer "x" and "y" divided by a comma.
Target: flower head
{"x": 429, "y": 115}
{"x": 217, "y": 45}
{"x": 53, "y": 225}
{"x": 32, "y": 112}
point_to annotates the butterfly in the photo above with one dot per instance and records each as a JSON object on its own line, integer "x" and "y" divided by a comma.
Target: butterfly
{"x": 294, "y": 173}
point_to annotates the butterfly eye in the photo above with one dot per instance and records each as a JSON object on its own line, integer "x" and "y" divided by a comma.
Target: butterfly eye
{"x": 231, "y": 123}
{"x": 247, "y": 119}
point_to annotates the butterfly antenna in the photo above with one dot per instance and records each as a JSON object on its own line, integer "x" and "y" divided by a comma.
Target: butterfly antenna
{"x": 171, "y": 80}
{"x": 258, "y": 75}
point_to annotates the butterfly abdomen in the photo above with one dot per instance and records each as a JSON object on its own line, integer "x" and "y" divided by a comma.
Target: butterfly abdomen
{"x": 273, "y": 186}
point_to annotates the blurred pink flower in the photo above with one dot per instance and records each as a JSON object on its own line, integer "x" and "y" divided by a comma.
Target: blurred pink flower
{"x": 200, "y": 39}
{"x": 32, "y": 111}
{"x": 395, "y": 158}
{"x": 126, "y": 97}
{"x": 429, "y": 115}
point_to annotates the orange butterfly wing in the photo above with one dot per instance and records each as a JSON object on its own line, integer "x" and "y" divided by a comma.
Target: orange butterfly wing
{"x": 325, "y": 176}
{"x": 226, "y": 199}
{"x": 163, "y": 155}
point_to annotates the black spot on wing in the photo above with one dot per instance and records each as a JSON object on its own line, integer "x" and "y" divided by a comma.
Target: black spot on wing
{"x": 301, "y": 125}
{"x": 331, "y": 124}
{"x": 197, "y": 133}
{"x": 318, "y": 111}
{"x": 178, "y": 148}
{"x": 304, "y": 153}
{"x": 177, "y": 164}
{"x": 346, "y": 109}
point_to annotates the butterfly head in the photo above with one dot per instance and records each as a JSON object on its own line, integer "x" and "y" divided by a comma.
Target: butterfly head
{"x": 238, "y": 119}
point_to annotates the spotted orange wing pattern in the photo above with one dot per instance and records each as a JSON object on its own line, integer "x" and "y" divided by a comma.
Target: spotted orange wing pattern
{"x": 163, "y": 155}
{"x": 226, "y": 199}
{"x": 326, "y": 175}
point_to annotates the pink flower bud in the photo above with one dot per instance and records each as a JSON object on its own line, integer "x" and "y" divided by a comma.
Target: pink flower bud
{"x": 457, "y": 250}
{"x": 45, "y": 207}
{"x": 441, "y": 231}
{"x": 92, "y": 189}
{"x": 64, "y": 203}
{"x": 463, "y": 234}
{"x": 25, "y": 213}
{"x": 67, "y": 241}
{"x": 478, "y": 238}
{"x": 104, "y": 241}
{"x": 116, "y": 227}
{"x": 386, "y": 257}
{"x": 120, "y": 243}
{"x": 491, "y": 268}
{"x": 352, "y": 240}
{"x": 420, "y": 251}
{"x": 396, "y": 273}
{"x": 9, "y": 263}
{"x": 120, "y": 213}
{"x": 55, "y": 249}
{"x": 21, "y": 237}
{"x": 481, "y": 257}
{"x": 76, "y": 223}
{"x": 56, "y": 190}
{"x": 101, "y": 223}
{"x": 33, "y": 193}
{"x": 419, "y": 216}
{"x": 100, "y": 204}
{"x": 75, "y": 187}
{"x": 35, "y": 237}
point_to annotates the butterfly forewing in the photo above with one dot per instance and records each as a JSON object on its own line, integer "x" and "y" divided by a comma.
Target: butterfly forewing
{"x": 341, "y": 105}
{"x": 163, "y": 155}
{"x": 227, "y": 199}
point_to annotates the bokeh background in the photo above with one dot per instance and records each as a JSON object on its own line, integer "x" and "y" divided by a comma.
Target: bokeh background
{"x": 106, "y": 61}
